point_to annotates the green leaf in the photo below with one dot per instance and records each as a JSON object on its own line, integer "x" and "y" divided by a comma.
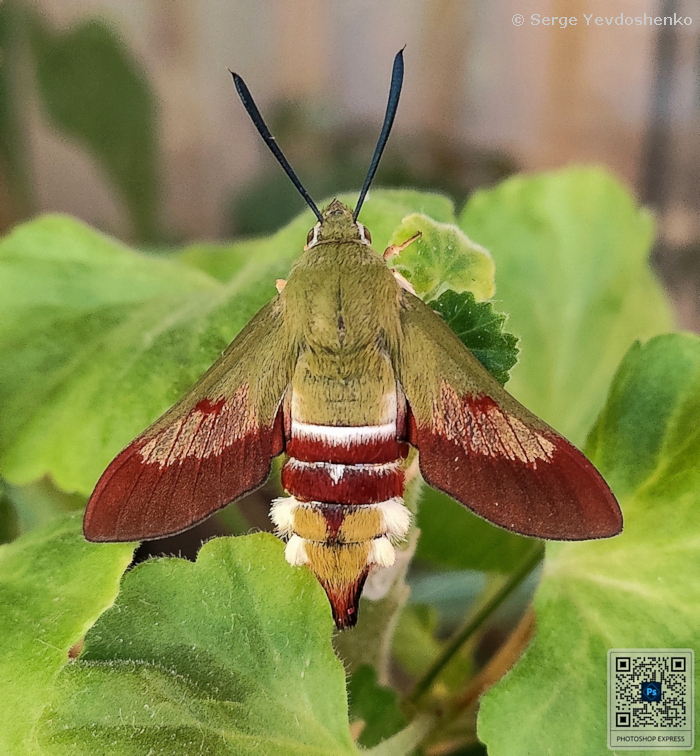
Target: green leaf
{"x": 454, "y": 537}
{"x": 230, "y": 655}
{"x": 93, "y": 89}
{"x": 650, "y": 417}
{"x": 375, "y": 705}
{"x": 95, "y": 342}
{"x": 53, "y": 586}
{"x": 481, "y": 330}
{"x": 441, "y": 258}
{"x": 571, "y": 250}
{"x": 634, "y": 591}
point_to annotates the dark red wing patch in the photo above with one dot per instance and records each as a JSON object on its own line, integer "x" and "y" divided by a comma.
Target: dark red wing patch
{"x": 526, "y": 479}
{"x": 171, "y": 478}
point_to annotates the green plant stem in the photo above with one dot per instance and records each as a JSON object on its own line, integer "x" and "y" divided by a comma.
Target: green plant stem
{"x": 489, "y": 605}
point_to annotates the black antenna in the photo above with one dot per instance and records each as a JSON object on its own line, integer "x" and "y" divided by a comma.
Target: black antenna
{"x": 391, "y": 106}
{"x": 254, "y": 113}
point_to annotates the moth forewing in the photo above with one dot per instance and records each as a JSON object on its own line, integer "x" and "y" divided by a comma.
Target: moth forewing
{"x": 480, "y": 446}
{"x": 212, "y": 447}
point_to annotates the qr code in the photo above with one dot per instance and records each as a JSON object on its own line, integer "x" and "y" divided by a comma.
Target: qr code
{"x": 650, "y": 698}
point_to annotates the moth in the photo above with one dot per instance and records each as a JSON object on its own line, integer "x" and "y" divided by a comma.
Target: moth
{"x": 343, "y": 371}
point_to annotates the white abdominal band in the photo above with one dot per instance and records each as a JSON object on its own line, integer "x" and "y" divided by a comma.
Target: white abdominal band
{"x": 343, "y": 435}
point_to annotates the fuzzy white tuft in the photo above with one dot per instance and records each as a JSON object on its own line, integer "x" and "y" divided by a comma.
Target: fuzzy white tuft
{"x": 295, "y": 553}
{"x": 397, "y": 519}
{"x": 336, "y": 472}
{"x": 381, "y": 552}
{"x": 282, "y": 515}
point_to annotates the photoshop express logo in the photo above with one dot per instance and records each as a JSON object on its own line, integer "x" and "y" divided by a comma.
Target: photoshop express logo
{"x": 651, "y": 691}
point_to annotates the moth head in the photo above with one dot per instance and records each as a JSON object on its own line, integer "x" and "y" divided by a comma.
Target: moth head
{"x": 337, "y": 224}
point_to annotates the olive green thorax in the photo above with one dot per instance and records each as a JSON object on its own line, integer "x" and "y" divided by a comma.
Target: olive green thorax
{"x": 342, "y": 304}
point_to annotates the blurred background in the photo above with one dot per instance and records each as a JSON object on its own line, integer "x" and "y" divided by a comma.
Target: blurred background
{"x": 124, "y": 114}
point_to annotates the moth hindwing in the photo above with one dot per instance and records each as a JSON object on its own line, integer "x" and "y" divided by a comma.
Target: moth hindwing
{"x": 343, "y": 370}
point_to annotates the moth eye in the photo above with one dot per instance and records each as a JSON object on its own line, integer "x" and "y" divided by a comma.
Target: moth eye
{"x": 310, "y": 236}
{"x": 368, "y": 236}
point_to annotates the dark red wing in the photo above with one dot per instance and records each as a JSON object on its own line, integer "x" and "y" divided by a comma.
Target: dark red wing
{"x": 215, "y": 445}
{"x": 480, "y": 446}
{"x": 163, "y": 484}
{"x": 529, "y": 481}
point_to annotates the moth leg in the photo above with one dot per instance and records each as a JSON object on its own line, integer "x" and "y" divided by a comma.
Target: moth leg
{"x": 403, "y": 283}
{"x": 280, "y": 283}
{"x": 395, "y": 249}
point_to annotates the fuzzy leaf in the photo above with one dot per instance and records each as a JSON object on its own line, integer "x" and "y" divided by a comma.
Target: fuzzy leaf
{"x": 442, "y": 258}
{"x": 638, "y": 590}
{"x": 53, "y": 586}
{"x": 375, "y": 705}
{"x": 231, "y": 655}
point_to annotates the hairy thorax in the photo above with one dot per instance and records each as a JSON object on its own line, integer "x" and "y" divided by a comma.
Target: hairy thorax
{"x": 347, "y": 301}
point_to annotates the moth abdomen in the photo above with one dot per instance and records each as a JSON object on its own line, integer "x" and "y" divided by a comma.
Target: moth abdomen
{"x": 342, "y": 517}
{"x": 341, "y": 543}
